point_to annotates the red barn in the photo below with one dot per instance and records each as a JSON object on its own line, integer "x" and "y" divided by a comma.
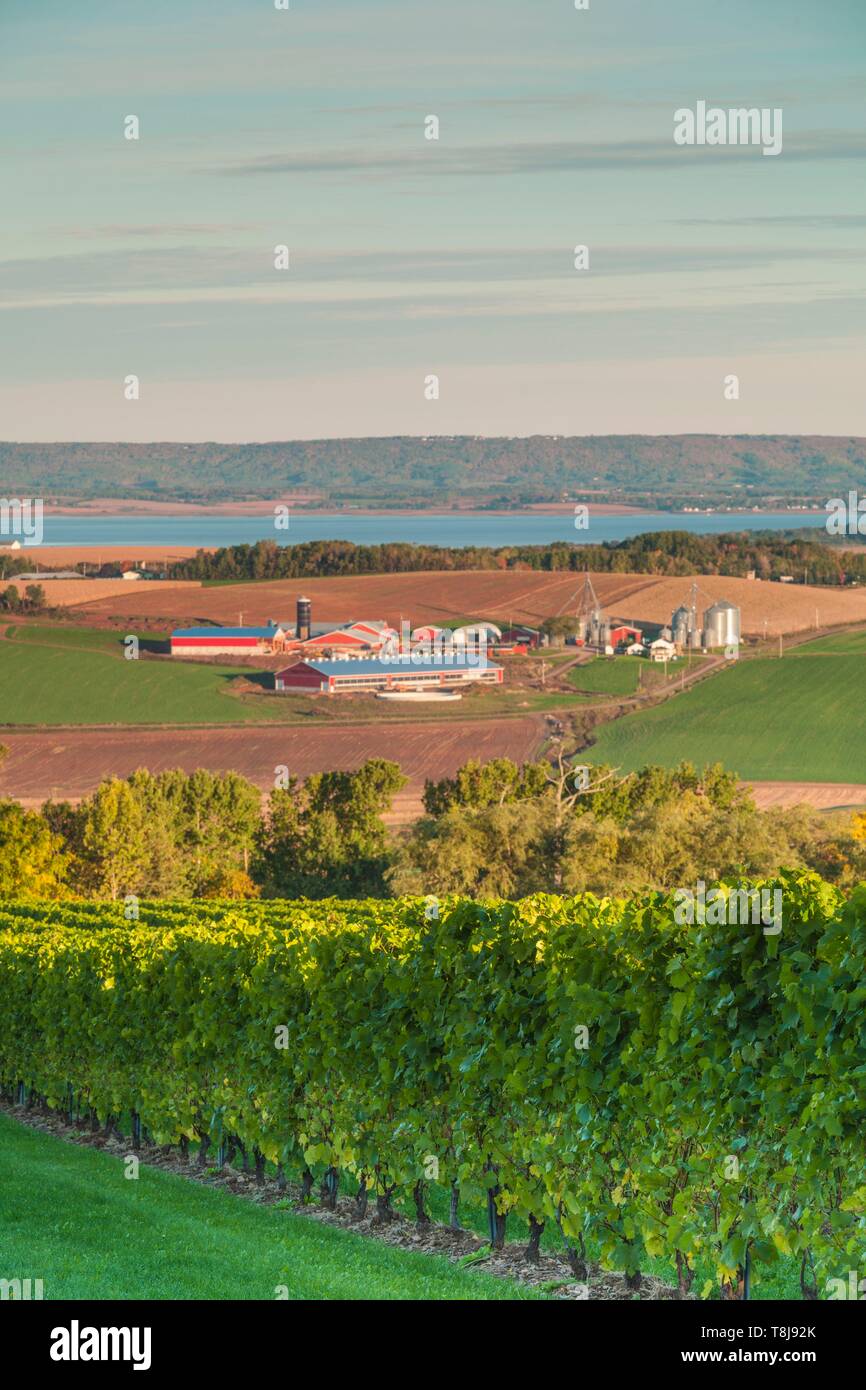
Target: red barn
{"x": 399, "y": 674}
{"x": 623, "y": 632}
{"x": 227, "y": 641}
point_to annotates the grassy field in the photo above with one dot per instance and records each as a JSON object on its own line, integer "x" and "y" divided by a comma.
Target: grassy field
{"x": 89, "y": 639}
{"x": 100, "y": 1235}
{"x": 789, "y": 720}
{"x": 71, "y": 1218}
{"x": 622, "y": 675}
{"x": 85, "y": 682}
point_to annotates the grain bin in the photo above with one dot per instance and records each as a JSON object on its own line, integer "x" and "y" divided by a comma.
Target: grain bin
{"x": 682, "y": 623}
{"x": 722, "y": 624}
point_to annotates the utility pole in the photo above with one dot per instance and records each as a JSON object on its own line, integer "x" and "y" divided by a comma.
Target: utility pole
{"x": 780, "y": 646}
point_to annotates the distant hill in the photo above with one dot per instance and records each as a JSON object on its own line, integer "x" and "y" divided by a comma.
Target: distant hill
{"x": 668, "y": 470}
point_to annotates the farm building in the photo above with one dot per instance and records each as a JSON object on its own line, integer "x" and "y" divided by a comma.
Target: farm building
{"x": 518, "y": 635}
{"x": 429, "y": 633}
{"x": 228, "y": 641}
{"x": 624, "y": 632}
{"x": 348, "y": 638}
{"x": 366, "y": 636}
{"x": 662, "y": 650}
{"x": 331, "y": 677}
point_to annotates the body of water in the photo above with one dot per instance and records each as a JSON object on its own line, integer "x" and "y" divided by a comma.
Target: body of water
{"x": 484, "y": 529}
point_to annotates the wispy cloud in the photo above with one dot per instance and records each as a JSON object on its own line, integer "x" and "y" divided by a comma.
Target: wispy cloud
{"x": 119, "y": 231}
{"x": 184, "y": 274}
{"x": 537, "y": 157}
{"x": 842, "y": 220}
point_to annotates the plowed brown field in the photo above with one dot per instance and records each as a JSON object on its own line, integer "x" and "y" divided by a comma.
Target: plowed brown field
{"x": 823, "y": 796}
{"x": 72, "y": 593}
{"x": 501, "y": 596}
{"x": 66, "y": 764}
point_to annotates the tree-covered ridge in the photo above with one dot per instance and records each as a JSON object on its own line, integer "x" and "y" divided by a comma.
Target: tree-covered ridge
{"x": 769, "y": 554}
{"x": 669, "y": 469}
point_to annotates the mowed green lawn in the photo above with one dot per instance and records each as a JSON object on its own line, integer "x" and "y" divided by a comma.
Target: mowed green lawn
{"x": 91, "y": 683}
{"x": 798, "y": 719}
{"x": 69, "y": 1217}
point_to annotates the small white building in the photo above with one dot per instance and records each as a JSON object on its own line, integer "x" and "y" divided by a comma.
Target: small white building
{"x": 662, "y": 650}
{"x": 636, "y": 649}
{"x": 130, "y": 574}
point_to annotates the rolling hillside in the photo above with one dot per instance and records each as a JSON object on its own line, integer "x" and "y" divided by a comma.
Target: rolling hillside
{"x": 406, "y": 469}
{"x": 797, "y": 719}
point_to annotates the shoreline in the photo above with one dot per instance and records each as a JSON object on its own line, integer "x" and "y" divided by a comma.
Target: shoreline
{"x": 119, "y": 507}
{"x": 115, "y": 507}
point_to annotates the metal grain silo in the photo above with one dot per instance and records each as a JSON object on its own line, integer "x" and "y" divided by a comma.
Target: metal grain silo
{"x": 304, "y": 616}
{"x": 682, "y": 624}
{"x": 722, "y": 624}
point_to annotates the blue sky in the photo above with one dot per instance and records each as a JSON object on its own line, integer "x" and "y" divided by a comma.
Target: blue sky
{"x": 412, "y": 257}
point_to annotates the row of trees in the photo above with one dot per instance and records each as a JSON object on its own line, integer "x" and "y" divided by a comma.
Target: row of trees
{"x": 13, "y": 601}
{"x": 495, "y": 829}
{"x": 768, "y": 553}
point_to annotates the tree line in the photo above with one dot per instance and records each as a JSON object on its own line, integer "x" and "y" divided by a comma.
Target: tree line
{"x": 495, "y": 829}
{"x": 768, "y": 554}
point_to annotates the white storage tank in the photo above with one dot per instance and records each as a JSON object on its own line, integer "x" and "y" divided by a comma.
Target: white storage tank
{"x": 722, "y": 624}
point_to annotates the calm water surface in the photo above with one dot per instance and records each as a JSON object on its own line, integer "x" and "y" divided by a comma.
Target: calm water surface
{"x": 420, "y": 528}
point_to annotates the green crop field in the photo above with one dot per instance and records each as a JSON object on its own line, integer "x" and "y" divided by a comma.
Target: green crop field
{"x": 797, "y": 719}
{"x": 87, "y": 683}
{"x": 71, "y": 1218}
{"x": 91, "y": 639}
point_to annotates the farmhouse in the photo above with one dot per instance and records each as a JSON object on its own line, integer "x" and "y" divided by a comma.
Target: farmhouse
{"x": 662, "y": 650}
{"x": 331, "y": 677}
